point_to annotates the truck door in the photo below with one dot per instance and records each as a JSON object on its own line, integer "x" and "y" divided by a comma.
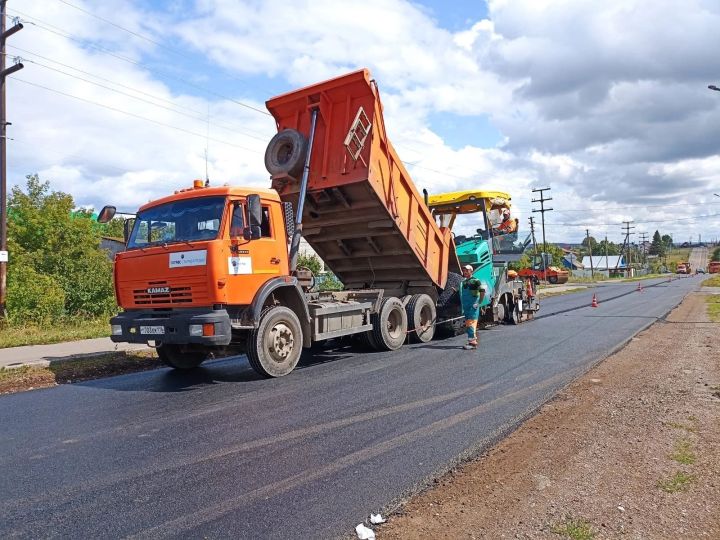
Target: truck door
{"x": 251, "y": 262}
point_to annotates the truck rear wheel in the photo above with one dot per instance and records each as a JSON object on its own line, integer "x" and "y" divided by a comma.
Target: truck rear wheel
{"x": 180, "y": 357}
{"x": 285, "y": 153}
{"x": 275, "y": 345}
{"x": 389, "y": 325}
{"x": 421, "y": 314}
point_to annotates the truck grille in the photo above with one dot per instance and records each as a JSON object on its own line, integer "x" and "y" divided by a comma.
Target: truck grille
{"x": 175, "y": 295}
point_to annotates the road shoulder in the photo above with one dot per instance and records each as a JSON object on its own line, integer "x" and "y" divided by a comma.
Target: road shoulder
{"x": 631, "y": 449}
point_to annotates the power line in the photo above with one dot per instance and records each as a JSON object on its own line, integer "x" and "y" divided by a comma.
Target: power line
{"x": 140, "y": 117}
{"x": 173, "y": 110}
{"x": 142, "y": 36}
{"x": 62, "y": 33}
{"x": 133, "y": 89}
{"x": 640, "y": 222}
{"x": 542, "y": 200}
{"x": 107, "y": 21}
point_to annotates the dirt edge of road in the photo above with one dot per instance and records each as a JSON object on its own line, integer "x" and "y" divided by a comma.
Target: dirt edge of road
{"x": 29, "y": 377}
{"x": 631, "y": 449}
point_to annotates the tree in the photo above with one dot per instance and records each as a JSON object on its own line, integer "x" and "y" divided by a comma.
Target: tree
{"x": 589, "y": 241}
{"x": 608, "y": 247}
{"x": 667, "y": 241}
{"x": 656, "y": 246}
{"x": 47, "y": 238}
{"x": 326, "y": 281}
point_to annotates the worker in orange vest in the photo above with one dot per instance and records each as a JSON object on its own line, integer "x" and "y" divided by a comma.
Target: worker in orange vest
{"x": 508, "y": 224}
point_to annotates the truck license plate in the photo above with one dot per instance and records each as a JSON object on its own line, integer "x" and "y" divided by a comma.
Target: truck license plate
{"x": 152, "y": 330}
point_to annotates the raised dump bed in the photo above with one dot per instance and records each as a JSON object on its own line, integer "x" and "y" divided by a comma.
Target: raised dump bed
{"x": 363, "y": 215}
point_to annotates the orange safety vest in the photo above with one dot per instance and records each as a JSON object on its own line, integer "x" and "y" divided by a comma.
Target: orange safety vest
{"x": 507, "y": 226}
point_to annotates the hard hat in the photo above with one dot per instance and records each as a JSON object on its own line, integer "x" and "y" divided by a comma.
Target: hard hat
{"x": 468, "y": 267}
{"x": 512, "y": 274}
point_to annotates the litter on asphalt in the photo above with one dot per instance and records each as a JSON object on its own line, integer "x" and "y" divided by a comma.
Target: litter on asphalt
{"x": 364, "y": 533}
{"x": 376, "y": 519}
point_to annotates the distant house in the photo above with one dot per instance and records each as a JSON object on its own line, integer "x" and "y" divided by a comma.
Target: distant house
{"x": 573, "y": 262}
{"x": 112, "y": 245}
{"x": 612, "y": 265}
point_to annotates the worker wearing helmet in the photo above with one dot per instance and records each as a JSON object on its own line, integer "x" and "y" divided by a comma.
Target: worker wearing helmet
{"x": 471, "y": 295}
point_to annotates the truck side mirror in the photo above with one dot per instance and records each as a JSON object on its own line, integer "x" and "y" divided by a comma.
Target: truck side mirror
{"x": 106, "y": 214}
{"x": 254, "y": 210}
{"x": 127, "y": 228}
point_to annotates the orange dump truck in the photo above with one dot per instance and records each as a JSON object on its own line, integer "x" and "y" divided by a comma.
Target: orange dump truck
{"x": 714, "y": 267}
{"x": 212, "y": 270}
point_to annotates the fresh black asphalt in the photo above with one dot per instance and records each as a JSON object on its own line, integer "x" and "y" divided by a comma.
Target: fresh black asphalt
{"x": 223, "y": 454}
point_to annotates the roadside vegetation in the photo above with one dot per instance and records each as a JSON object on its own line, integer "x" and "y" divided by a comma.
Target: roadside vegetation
{"x": 713, "y": 281}
{"x": 575, "y": 529}
{"x": 64, "y": 329}
{"x": 713, "y": 307}
{"x": 76, "y": 370}
{"x": 324, "y": 279}
{"x": 59, "y": 278}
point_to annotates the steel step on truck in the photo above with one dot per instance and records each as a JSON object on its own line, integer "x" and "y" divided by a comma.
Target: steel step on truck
{"x": 210, "y": 271}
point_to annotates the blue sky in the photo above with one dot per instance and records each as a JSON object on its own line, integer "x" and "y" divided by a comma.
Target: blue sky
{"x": 496, "y": 95}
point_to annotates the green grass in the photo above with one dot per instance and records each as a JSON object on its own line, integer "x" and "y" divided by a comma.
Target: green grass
{"x": 713, "y": 307}
{"x": 546, "y": 293}
{"x": 678, "y": 425}
{"x": 683, "y": 453}
{"x": 16, "y": 335}
{"x": 576, "y": 529}
{"x": 680, "y": 481}
{"x": 713, "y": 281}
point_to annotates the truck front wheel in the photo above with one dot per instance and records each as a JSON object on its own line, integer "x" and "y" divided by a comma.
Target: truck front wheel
{"x": 275, "y": 345}
{"x": 180, "y": 357}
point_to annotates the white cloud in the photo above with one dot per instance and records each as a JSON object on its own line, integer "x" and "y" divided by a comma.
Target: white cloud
{"x": 605, "y": 102}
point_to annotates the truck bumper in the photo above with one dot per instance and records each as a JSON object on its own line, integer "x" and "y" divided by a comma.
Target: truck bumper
{"x": 172, "y": 328}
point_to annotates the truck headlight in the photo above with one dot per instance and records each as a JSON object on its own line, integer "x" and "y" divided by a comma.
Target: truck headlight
{"x": 116, "y": 329}
{"x": 196, "y": 329}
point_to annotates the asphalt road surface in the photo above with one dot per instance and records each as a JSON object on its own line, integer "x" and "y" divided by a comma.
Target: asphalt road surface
{"x": 221, "y": 453}
{"x": 698, "y": 258}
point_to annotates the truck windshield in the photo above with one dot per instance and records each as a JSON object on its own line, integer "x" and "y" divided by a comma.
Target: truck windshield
{"x": 180, "y": 221}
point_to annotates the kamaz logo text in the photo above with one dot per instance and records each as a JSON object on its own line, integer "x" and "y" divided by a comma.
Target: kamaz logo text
{"x": 158, "y": 290}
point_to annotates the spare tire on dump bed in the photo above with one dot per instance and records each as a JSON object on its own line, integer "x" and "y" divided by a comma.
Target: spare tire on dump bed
{"x": 285, "y": 153}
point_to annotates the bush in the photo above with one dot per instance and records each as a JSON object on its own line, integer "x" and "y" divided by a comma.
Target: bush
{"x": 55, "y": 249}
{"x": 32, "y": 296}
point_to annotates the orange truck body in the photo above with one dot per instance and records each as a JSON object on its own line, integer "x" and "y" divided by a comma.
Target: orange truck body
{"x": 683, "y": 268}
{"x": 363, "y": 215}
{"x": 208, "y": 268}
{"x": 714, "y": 267}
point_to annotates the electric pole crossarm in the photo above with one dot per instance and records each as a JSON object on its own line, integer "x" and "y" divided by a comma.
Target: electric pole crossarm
{"x": 542, "y": 200}
{"x": 12, "y": 69}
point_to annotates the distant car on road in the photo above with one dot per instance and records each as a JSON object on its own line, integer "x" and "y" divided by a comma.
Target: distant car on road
{"x": 700, "y": 271}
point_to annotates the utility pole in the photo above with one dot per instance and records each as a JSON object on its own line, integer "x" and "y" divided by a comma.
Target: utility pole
{"x": 4, "y": 72}
{"x": 542, "y": 200}
{"x": 532, "y": 235}
{"x": 643, "y": 239}
{"x": 607, "y": 259}
{"x": 592, "y": 269}
{"x": 626, "y": 229}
